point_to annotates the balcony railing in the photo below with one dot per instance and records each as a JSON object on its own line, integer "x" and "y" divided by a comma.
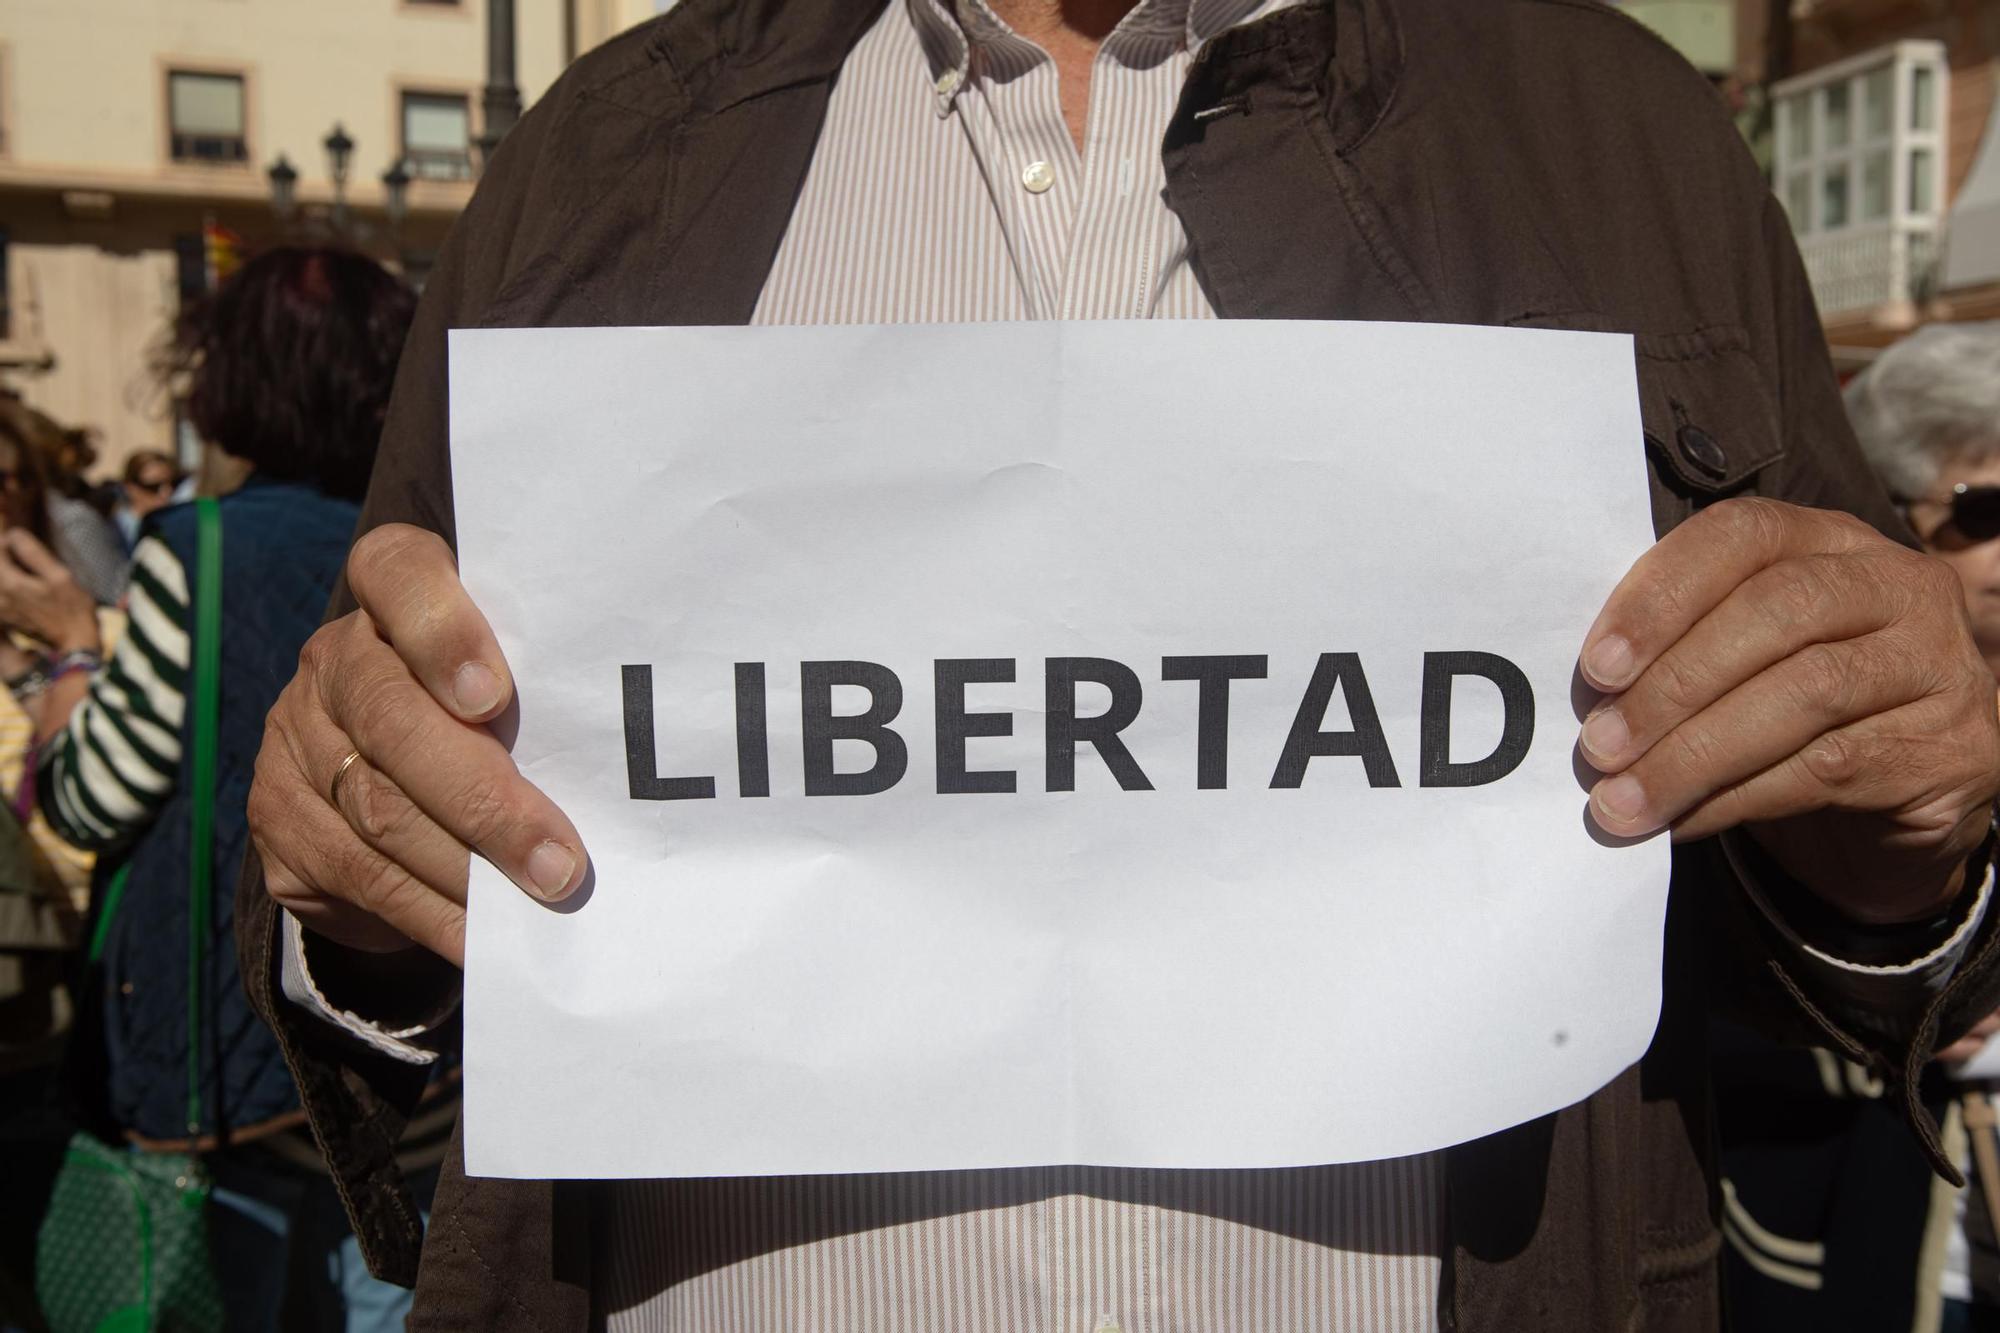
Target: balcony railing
{"x": 1858, "y": 268}
{"x": 209, "y": 148}
{"x": 439, "y": 164}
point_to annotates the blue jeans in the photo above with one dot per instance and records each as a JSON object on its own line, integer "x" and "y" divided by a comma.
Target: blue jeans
{"x": 285, "y": 1256}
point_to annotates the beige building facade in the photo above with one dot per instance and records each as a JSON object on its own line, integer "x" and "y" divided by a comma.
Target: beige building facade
{"x": 130, "y": 128}
{"x": 592, "y": 22}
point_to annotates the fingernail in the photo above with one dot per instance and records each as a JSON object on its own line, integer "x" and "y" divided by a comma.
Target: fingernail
{"x": 475, "y": 688}
{"x": 1605, "y": 734}
{"x": 1609, "y": 662}
{"x": 1621, "y": 798}
{"x": 550, "y": 867}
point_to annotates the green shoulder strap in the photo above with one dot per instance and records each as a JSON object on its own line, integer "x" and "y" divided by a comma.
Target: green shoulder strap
{"x": 114, "y": 890}
{"x": 206, "y": 703}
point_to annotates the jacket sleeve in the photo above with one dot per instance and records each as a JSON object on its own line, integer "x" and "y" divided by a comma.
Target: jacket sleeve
{"x": 1894, "y": 1009}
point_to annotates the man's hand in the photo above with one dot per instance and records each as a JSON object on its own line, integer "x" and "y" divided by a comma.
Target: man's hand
{"x": 1792, "y": 671}
{"x": 407, "y": 683}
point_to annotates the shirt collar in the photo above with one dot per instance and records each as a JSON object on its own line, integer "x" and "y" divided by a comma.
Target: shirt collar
{"x": 949, "y": 30}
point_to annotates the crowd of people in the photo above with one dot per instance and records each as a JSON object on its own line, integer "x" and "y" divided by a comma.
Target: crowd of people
{"x": 230, "y": 1102}
{"x": 148, "y": 629}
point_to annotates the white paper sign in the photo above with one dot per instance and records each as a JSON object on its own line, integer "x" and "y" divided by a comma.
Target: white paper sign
{"x": 1363, "y": 945}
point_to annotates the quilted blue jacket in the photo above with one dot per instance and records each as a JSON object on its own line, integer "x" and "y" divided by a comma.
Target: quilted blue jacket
{"x": 283, "y": 546}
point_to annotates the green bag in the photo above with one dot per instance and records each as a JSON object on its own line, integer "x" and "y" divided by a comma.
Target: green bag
{"x": 123, "y": 1247}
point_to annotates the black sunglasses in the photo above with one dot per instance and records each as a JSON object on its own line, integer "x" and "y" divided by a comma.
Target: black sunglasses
{"x": 1975, "y": 511}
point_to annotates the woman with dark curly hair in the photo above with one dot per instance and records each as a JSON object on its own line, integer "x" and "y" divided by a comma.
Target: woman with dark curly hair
{"x": 289, "y": 367}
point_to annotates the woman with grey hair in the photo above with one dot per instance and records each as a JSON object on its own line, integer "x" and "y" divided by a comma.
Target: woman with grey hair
{"x": 1927, "y": 413}
{"x": 1928, "y": 416}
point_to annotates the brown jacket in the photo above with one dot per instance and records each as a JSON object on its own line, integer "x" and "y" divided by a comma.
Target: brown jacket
{"x": 1509, "y": 162}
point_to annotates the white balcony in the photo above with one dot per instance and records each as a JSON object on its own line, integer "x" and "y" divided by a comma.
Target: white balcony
{"x": 1863, "y": 267}
{"x": 1859, "y": 161}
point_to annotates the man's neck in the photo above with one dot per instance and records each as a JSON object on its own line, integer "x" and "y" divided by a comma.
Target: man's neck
{"x": 1036, "y": 19}
{"x": 1070, "y": 31}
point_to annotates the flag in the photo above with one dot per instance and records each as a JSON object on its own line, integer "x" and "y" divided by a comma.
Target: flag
{"x": 222, "y": 252}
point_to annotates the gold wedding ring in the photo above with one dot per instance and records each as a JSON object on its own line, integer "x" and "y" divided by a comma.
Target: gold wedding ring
{"x": 333, "y": 787}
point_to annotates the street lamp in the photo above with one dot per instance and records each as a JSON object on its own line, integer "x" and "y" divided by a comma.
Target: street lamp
{"x": 500, "y": 100}
{"x": 284, "y": 188}
{"x": 339, "y": 148}
{"x": 396, "y": 193}
{"x": 341, "y": 224}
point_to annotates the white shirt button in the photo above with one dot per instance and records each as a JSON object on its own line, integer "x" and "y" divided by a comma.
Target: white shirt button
{"x": 1038, "y": 177}
{"x": 947, "y": 83}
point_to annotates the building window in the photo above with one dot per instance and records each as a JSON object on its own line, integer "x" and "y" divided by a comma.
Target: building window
{"x": 1836, "y": 115}
{"x": 190, "y": 267}
{"x": 437, "y": 136}
{"x": 1798, "y": 134}
{"x": 1858, "y": 138}
{"x": 1923, "y": 194}
{"x": 1875, "y": 186}
{"x": 1879, "y": 97}
{"x": 1833, "y": 198}
{"x": 205, "y": 116}
{"x": 1859, "y": 154}
{"x": 1923, "y": 98}
{"x": 1798, "y": 194}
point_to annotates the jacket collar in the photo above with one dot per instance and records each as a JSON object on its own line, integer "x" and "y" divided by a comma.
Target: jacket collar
{"x": 722, "y": 53}
{"x": 949, "y": 30}
{"x": 1267, "y": 127}
{"x": 719, "y": 115}
{"x": 1346, "y": 55}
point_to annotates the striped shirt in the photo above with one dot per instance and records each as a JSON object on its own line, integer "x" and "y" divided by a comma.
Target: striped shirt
{"x": 1089, "y": 1249}
{"x": 946, "y": 188}
{"x": 107, "y": 773}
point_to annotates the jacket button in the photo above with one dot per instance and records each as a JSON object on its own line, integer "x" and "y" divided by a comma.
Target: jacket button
{"x": 1700, "y": 449}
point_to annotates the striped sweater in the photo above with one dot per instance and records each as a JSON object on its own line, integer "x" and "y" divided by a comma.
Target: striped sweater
{"x": 106, "y": 775}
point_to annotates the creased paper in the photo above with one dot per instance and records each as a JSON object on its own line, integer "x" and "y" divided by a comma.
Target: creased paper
{"x": 1380, "y": 952}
